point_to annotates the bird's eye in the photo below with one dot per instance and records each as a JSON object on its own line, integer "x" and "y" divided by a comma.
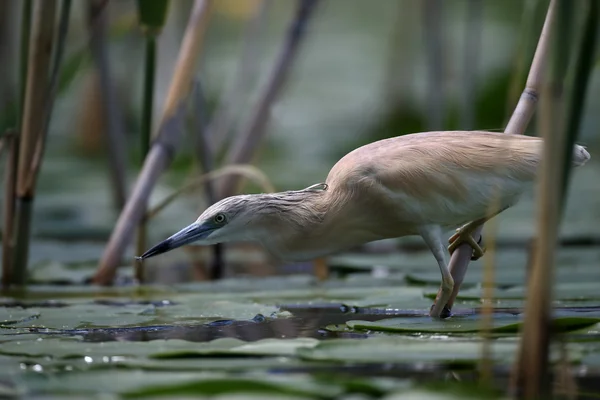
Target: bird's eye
{"x": 220, "y": 218}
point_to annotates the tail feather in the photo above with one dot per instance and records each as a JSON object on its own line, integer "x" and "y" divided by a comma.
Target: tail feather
{"x": 580, "y": 156}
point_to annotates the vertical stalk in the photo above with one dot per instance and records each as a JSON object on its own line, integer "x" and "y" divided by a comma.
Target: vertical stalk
{"x": 10, "y": 178}
{"x": 24, "y": 55}
{"x": 578, "y": 82}
{"x": 532, "y": 372}
{"x": 163, "y": 147}
{"x": 8, "y": 238}
{"x": 115, "y": 135}
{"x": 36, "y": 95}
{"x": 517, "y": 124}
{"x": 152, "y": 16}
{"x": 530, "y": 26}
{"x": 487, "y": 310}
{"x": 146, "y": 135}
{"x": 63, "y": 29}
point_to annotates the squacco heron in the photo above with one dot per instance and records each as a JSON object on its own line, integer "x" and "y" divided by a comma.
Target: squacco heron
{"x": 419, "y": 184}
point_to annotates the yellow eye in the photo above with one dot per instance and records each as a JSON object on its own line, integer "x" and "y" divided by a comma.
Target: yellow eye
{"x": 220, "y": 218}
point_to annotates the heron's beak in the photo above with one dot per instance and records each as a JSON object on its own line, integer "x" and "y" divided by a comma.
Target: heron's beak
{"x": 187, "y": 235}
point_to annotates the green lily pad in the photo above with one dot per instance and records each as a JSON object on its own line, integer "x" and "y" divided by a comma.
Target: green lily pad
{"x": 201, "y": 309}
{"x": 562, "y": 291}
{"x": 394, "y": 349}
{"x": 140, "y": 383}
{"x": 506, "y": 324}
{"x": 404, "y": 350}
{"x": 85, "y": 315}
{"x": 13, "y": 316}
{"x": 509, "y": 276}
{"x": 73, "y": 273}
{"x": 71, "y": 348}
{"x": 295, "y": 385}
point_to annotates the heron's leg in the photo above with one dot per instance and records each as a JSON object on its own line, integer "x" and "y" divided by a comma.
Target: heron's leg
{"x": 432, "y": 235}
{"x": 464, "y": 234}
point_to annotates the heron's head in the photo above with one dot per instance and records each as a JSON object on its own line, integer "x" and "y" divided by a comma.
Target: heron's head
{"x": 243, "y": 218}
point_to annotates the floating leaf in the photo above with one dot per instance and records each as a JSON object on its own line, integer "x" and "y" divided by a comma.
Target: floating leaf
{"x": 562, "y": 291}
{"x": 507, "y": 324}
{"x": 71, "y": 348}
{"x": 509, "y": 276}
{"x": 405, "y": 350}
{"x": 387, "y": 349}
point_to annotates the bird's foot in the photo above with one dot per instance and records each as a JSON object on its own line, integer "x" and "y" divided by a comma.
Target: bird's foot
{"x": 464, "y": 235}
{"x": 445, "y": 313}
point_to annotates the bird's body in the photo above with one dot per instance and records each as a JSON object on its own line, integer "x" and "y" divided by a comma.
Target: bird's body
{"x": 393, "y": 187}
{"x": 418, "y": 184}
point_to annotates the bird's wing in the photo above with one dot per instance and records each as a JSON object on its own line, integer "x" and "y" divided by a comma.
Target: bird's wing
{"x": 443, "y": 173}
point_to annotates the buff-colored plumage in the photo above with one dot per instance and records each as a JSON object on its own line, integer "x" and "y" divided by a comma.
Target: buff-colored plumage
{"x": 419, "y": 184}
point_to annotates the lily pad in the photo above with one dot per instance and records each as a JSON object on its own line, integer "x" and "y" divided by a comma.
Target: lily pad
{"x": 562, "y": 291}
{"x": 72, "y": 348}
{"x": 388, "y": 349}
{"x": 508, "y": 276}
{"x": 404, "y": 350}
{"x": 504, "y": 324}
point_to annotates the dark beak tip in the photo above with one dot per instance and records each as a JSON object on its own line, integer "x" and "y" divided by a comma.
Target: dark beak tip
{"x": 160, "y": 248}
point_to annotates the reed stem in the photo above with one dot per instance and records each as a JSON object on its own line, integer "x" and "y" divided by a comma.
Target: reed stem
{"x": 578, "y": 83}
{"x": 459, "y": 262}
{"x": 531, "y": 24}
{"x": 41, "y": 43}
{"x": 115, "y": 133}
{"x": 164, "y": 146}
{"x": 532, "y": 373}
{"x": 146, "y": 135}
{"x": 152, "y": 16}
{"x": 10, "y": 178}
{"x": 10, "y": 192}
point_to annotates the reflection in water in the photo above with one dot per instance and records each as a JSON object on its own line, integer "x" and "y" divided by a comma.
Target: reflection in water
{"x": 306, "y": 321}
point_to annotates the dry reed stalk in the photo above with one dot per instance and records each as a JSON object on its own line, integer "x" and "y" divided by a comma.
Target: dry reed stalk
{"x": 6, "y": 86}
{"x": 8, "y": 243}
{"x": 163, "y": 149}
{"x": 10, "y": 179}
{"x": 191, "y": 48}
{"x": 487, "y": 310}
{"x": 250, "y": 136}
{"x": 578, "y": 79}
{"x": 530, "y": 25}
{"x": 434, "y": 43}
{"x": 63, "y": 28}
{"x": 115, "y": 134}
{"x": 531, "y": 374}
{"x": 41, "y": 43}
{"x": 459, "y": 262}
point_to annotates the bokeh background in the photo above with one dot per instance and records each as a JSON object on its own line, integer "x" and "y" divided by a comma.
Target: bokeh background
{"x": 364, "y": 71}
